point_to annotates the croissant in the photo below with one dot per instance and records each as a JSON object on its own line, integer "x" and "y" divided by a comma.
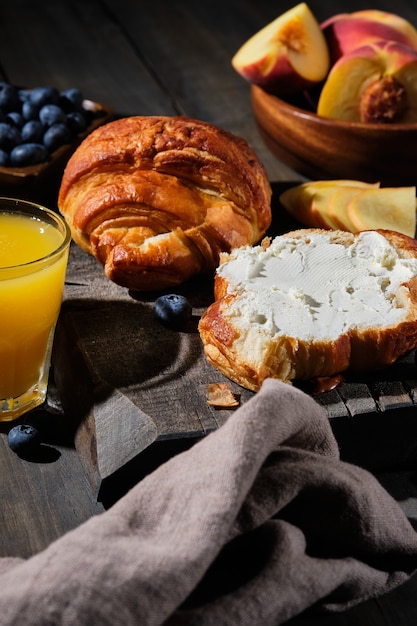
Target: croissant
{"x": 157, "y": 199}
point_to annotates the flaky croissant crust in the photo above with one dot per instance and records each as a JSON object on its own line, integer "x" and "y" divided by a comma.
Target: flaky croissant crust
{"x": 157, "y": 199}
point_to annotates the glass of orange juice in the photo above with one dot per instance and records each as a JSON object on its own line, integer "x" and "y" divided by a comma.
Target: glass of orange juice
{"x": 34, "y": 246}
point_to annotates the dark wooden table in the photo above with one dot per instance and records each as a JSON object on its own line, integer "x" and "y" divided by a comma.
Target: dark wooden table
{"x": 166, "y": 57}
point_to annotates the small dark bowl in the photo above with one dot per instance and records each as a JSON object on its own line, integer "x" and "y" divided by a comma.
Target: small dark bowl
{"x": 321, "y": 148}
{"x": 35, "y": 181}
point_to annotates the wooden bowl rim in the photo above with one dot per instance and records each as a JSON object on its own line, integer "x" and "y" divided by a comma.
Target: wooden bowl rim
{"x": 258, "y": 93}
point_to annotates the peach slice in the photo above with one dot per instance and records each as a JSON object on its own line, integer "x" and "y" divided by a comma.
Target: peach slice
{"x": 352, "y": 205}
{"x": 320, "y": 207}
{"x": 287, "y": 55}
{"x": 301, "y": 202}
{"x": 374, "y": 83}
{"x": 310, "y": 202}
{"x": 392, "y": 208}
{"x": 346, "y": 31}
{"x": 337, "y": 208}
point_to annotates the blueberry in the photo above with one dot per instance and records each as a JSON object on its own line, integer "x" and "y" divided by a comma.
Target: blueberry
{"x": 56, "y": 135}
{"x": 30, "y": 111}
{"x": 23, "y": 438}
{"x": 9, "y": 136}
{"x": 4, "y": 158}
{"x": 28, "y": 154}
{"x": 52, "y": 114}
{"x": 76, "y": 122}
{"x": 9, "y": 99}
{"x": 44, "y": 95}
{"x": 23, "y": 94}
{"x": 15, "y": 118}
{"x": 172, "y": 310}
{"x": 72, "y": 99}
{"x": 32, "y": 131}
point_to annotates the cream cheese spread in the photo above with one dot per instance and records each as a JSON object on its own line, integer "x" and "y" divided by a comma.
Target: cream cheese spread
{"x": 316, "y": 288}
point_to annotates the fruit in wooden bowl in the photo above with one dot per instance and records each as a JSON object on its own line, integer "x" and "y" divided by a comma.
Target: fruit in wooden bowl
{"x": 287, "y": 55}
{"x": 360, "y": 120}
{"x": 346, "y": 31}
{"x": 376, "y": 82}
{"x": 324, "y": 148}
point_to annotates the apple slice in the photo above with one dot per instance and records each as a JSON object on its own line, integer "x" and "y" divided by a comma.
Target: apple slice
{"x": 287, "y": 55}
{"x": 375, "y": 83}
{"x": 346, "y": 31}
{"x": 391, "y": 208}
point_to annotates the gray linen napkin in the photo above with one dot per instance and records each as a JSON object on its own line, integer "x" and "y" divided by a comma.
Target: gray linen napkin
{"x": 254, "y": 524}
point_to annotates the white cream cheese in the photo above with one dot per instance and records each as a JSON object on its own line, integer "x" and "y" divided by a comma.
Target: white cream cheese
{"x": 315, "y": 288}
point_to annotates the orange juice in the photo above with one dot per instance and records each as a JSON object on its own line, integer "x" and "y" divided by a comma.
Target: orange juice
{"x": 33, "y": 259}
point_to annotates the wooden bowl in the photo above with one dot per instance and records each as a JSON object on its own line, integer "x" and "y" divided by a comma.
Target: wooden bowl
{"x": 320, "y": 148}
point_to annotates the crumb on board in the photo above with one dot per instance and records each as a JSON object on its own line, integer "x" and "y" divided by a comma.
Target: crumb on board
{"x": 265, "y": 243}
{"x": 220, "y": 395}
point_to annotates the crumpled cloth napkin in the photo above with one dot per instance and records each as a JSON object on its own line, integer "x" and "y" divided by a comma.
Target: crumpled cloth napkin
{"x": 251, "y": 526}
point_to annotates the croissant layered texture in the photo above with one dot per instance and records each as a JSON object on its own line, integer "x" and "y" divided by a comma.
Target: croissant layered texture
{"x": 157, "y": 199}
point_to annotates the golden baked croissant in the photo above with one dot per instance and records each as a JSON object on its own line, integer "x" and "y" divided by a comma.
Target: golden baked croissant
{"x": 156, "y": 199}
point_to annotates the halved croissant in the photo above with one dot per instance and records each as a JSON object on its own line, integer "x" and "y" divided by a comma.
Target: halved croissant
{"x": 156, "y": 199}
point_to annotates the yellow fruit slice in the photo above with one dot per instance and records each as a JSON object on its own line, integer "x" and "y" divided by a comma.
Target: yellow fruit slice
{"x": 374, "y": 83}
{"x": 309, "y": 202}
{"x": 338, "y": 207}
{"x": 392, "y": 208}
{"x": 298, "y": 202}
{"x": 320, "y": 206}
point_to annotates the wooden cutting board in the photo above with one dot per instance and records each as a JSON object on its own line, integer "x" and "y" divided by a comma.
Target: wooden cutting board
{"x": 136, "y": 392}
{"x": 126, "y": 381}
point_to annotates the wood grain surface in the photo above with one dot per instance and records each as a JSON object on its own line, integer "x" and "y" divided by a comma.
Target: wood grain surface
{"x": 138, "y": 383}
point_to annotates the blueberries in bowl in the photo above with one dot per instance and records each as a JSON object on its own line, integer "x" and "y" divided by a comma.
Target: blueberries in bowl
{"x": 172, "y": 310}
{"x": 36, "y": 122}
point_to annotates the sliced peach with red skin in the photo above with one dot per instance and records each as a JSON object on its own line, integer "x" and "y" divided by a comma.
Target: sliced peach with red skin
{"x": 286, "y": 56}
{"x": 400, "y": 24}
{"x": 346, "y": 31}
{"x": 374, "y": 83}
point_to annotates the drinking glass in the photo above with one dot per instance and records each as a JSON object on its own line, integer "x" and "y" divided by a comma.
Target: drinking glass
{"x": 34, "y": 247}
